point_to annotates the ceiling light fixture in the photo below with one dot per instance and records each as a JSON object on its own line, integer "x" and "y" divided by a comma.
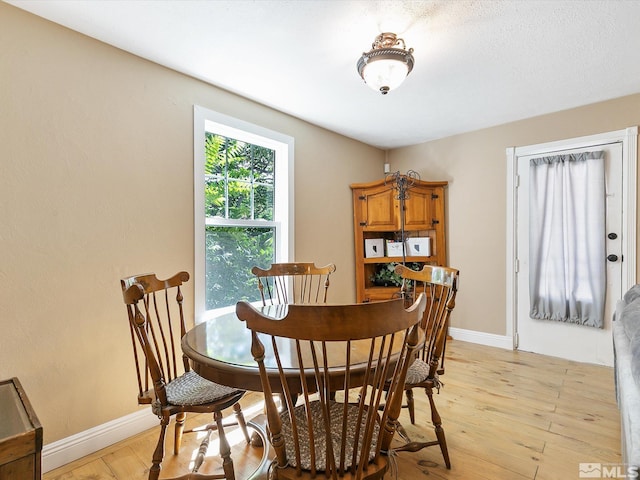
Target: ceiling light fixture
{"x": 385, "y": 67}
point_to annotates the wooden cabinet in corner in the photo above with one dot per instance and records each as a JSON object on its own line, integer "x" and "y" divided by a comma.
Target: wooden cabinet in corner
{"x": 377, "y": 231}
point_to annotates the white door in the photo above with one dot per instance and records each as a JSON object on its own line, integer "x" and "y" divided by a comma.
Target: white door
{"x": 566, "y": 340}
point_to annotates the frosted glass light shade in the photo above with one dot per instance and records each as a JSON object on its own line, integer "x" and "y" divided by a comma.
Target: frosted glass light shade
{"x": 384, "y": 75}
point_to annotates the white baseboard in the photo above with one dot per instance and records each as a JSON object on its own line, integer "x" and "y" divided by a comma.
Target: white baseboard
{"x": 72, "y": 448}
{"x": 482, "y": 338}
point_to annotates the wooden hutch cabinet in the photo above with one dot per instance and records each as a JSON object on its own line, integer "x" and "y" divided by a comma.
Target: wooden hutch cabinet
{"x": 378, "y": 221}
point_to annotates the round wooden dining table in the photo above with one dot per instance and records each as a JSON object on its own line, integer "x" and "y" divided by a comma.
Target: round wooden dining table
{"x": 220, "y": 351}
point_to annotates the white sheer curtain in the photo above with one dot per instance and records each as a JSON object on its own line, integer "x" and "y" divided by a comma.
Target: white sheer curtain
{"x": 567, "y": 238}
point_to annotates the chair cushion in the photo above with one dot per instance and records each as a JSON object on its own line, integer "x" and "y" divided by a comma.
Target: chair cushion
{"x": 191, "y": 389}
{"x": 319, "y": 432}
{"x": 418, "y": 372}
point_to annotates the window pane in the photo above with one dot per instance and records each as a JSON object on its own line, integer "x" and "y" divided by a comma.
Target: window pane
{"x": 214, "y": 197}
{"x": 263, "y": 165}
{"x": 214, "y": 154}
{"x": 231, "y": 253}
{"x": 240, "y": 200}
{"x": 263, "y": 202}
{"x": 239, "y": 161}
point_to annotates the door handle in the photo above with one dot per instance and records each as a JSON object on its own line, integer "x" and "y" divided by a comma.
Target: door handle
{"x": 612, "y": 258}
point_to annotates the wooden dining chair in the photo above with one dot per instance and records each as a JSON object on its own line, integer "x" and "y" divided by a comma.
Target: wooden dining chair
{"x": 293, "y": 283}
{"x": 439, "y": 285}
{"x": 348, "y": 348}
{"x": 165, "y": 380}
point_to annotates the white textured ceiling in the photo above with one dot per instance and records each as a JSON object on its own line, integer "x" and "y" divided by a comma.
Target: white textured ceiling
{"x": 477, "y": 63}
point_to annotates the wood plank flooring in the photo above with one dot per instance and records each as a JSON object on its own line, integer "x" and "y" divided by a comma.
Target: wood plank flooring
{"x": 507, "y": 416}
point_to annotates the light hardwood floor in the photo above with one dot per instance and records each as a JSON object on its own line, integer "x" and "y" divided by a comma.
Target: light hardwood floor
{"x": 507, "y": 416}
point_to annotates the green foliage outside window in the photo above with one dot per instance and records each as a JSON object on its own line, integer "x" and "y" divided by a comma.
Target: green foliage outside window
{"x": 239, "y": 185}
{"x": 231, "y": 253}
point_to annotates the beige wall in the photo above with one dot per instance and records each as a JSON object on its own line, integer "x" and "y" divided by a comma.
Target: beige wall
{"x": 96, "y": 183}
{"x": 475, "y": 165}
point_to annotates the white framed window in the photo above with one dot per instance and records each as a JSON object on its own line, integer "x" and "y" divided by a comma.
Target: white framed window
{"x": 243, "y": 207}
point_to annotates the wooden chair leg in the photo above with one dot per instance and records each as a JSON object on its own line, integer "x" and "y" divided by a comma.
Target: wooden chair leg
{"x": 411, "y": 446}
{"x": 437, "y": 423}
{"x": 225, "y": 449}
{"x": 410, "y": 405}
{"x": 202, "y": 451}
{"x": 158, "y": 454}
{"x": 241, "y": 421}
{"x": 179, "y": 428}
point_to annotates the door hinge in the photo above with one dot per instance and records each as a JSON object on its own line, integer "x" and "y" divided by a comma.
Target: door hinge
{"x": 362, "y": 197}
{"x": 516, "y": 181}
{"x": 434, "y": 196}
{"x": 516, "y": 340}
{"x": 516, "y": 265}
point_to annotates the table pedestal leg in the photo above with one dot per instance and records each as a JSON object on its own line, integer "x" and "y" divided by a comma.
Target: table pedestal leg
{"x": 259, "y": 437}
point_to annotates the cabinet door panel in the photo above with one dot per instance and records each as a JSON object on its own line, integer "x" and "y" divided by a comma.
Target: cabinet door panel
{"x": 379, "y": 210}
{"x": 418, "y": 214}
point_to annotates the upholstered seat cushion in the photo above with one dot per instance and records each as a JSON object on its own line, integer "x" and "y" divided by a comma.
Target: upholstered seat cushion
{"x": 191, "y": 389}
{"x": 418, "y": 372}
{"x": 319, "y": 433}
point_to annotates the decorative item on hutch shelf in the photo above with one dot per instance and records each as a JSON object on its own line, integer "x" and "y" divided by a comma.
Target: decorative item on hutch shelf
{"x": 373, "y": 247}
{"x": 386, "y": 276}
{"x": 394, "y": 249}
{"x": 419, "y": 246}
